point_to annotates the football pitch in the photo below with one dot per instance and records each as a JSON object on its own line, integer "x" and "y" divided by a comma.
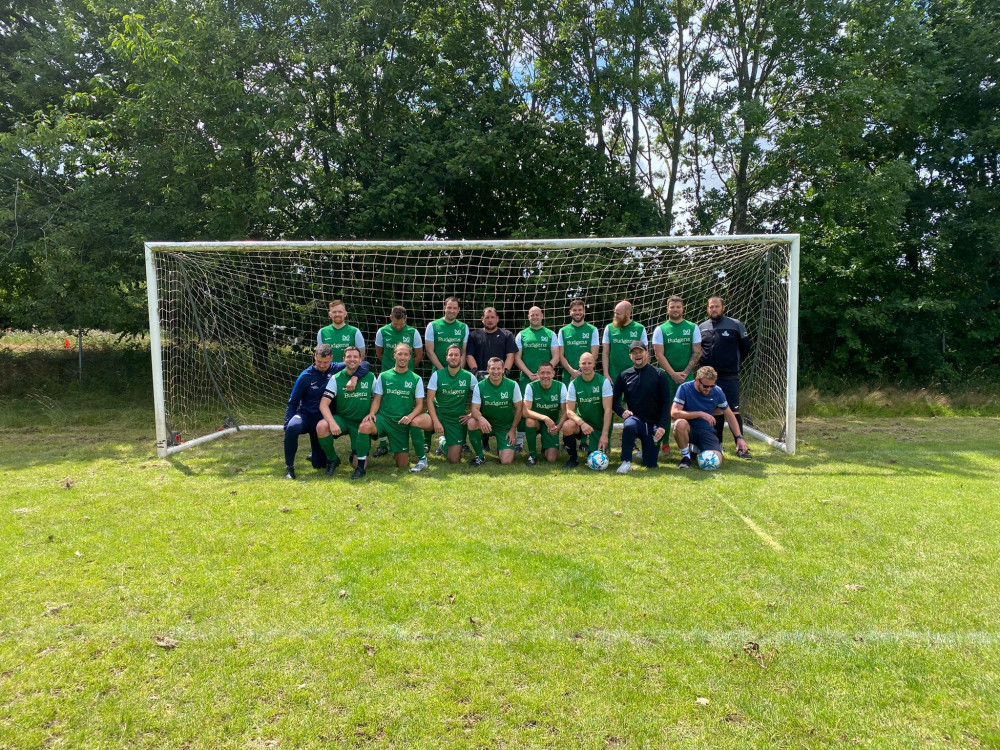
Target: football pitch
{"x": 847, "y": 596}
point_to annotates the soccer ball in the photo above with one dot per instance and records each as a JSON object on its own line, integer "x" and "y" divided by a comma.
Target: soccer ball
{"x": 598, "y": 461}
{"x": 708, "y": 460}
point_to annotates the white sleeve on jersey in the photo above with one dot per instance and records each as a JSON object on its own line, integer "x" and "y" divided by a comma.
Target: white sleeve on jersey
{"x": 529, "y": 394}
{"x": 359, "y": 340}
{"x": 331, "y": 388}
{"x": 465, "y": 339}
{"x": 429, "y": 333}
{"x": 607, "y": 389}
{"x": 594, "y": 338}
{"x": 657, "y": 337}
{"x": 319, "y": 337}
{"x": 571, "y": 394}
{"x": 607, "y": 335}
{"x": 562, "y": 393}
{"x": 517, "y": 394}
{"x": 643, "y": 338}
{"x": 432, "y": 384}
{"x": 476, "y": 398}
{"x": 378, "y": 338}
{"x": 420, "y": 393}
{"x": 517, "y": 340}
{"x": 377, "y": 387}
{"x": 696, "y": 336}
{"x": 559, "y": 339}
{"x": 418, "y": 343}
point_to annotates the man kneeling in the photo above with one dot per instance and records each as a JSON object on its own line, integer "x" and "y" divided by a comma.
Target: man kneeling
{"x": 695, "y": 407}
{"x": 496, "y": 409}
{"x": 397, "y": 410}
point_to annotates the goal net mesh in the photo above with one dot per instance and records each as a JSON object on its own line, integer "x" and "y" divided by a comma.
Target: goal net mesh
{"x": 238, "y": 324}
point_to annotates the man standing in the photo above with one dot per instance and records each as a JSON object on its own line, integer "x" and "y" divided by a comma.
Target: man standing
{"x": 648, "y": 398}
{"x": 677, "y": 345}
{"x": 444, "y": 332}
{"x": 535, "y": 344}
{"x": 447, "y": 394}
{"x": 302, "y": 413}
{"x": 397, "y": 410}
{"x": 488, "y": 342}
{"x": 496, "y": 409}
{"x": 588, "y": 409}
{"x": 352, "y": 405}
{"x": 339, "y": 335}
{"x": 725, "y": 343}
{"x": 696, "y": 407}
{"x": 395, "y": 332}
{"x": 545, "y": 410}
{"x": 575, "y": 339}
{"x": 618, "y": 338}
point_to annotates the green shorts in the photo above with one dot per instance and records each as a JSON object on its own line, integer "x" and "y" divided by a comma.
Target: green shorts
{"x": 398, "y": 434}
{"x": 454, "y": 431}
{"x": 348, "y": 427}
{"x": 548, "y": 440}
{"x": 500, "y": 433}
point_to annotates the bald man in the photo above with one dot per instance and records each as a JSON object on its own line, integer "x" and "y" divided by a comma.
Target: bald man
{"x": 618, "y": 337}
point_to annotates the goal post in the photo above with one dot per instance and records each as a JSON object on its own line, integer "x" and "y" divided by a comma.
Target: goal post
{"x": 232, "y": 324}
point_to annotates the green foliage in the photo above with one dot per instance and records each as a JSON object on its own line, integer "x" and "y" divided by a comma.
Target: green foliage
{"x": 869, "y": 127}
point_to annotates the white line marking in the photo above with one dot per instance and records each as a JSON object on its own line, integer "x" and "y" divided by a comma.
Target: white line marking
{"x": 770, "y": 540}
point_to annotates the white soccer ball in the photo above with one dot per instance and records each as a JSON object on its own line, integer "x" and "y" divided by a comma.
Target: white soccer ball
{"x": 598, "y": 461}
{"x": 709, "y": 460}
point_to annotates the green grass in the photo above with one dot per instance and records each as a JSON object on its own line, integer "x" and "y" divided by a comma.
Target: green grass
{"x": 846, "y": 596}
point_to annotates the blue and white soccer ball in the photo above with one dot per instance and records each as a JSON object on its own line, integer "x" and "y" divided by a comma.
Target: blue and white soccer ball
{"x": 598, "y": 461}
{"x": 709, "y": 460}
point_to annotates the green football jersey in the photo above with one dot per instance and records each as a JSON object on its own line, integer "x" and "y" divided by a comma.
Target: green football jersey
{"x": 535, "y": 346}
{"x": 400, "y": 392}
{"x": 619, "y": 340}
{"x": 496, "y": 402}
{"x": 577, "y": 340}
{"x": 353, "y": 405}
{"x": 546, "y": 401}
{"x": 339, "y": 339}
{"x": 589, "y": 398}
{"x": 442, "y": 335}
{"x": 677, "y": 342}
{"x": 389, "y": 337}
{"x": 451, "y": 392}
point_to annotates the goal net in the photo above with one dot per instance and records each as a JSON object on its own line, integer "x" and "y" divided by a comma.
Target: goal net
{"x": 232, "y": 324}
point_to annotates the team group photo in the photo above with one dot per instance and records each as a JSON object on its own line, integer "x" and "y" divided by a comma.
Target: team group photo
{"x": 550, "y": 375}
{"x": 677, "y": 385}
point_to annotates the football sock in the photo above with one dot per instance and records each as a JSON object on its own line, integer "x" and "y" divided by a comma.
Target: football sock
{"x": 326, "y": 443}
{"x": 361, "y": 462}
{"x": 477, "y": 442}
{"x": 417, "y": 436}
{"x": 686, "y": 451}
{"x": 719, "y": 424}
{"x": 571, "y": 447}
{"x": 364, "y": 444}
{"x": 529, "y": 437}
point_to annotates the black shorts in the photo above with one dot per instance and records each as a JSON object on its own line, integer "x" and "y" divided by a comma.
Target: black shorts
{"x": 730, "y": 385}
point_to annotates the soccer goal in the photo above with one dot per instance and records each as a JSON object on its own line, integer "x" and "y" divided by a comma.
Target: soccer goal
{"x": 232, "y": 324}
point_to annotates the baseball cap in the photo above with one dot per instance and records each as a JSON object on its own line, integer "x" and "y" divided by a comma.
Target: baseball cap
{"x": 637, "y": 345}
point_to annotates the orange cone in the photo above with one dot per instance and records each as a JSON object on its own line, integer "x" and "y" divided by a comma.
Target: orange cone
{"x": 66, "y": 344}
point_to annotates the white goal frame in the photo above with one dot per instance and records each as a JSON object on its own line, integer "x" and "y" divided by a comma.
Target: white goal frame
{"x": 165, "y": 447}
